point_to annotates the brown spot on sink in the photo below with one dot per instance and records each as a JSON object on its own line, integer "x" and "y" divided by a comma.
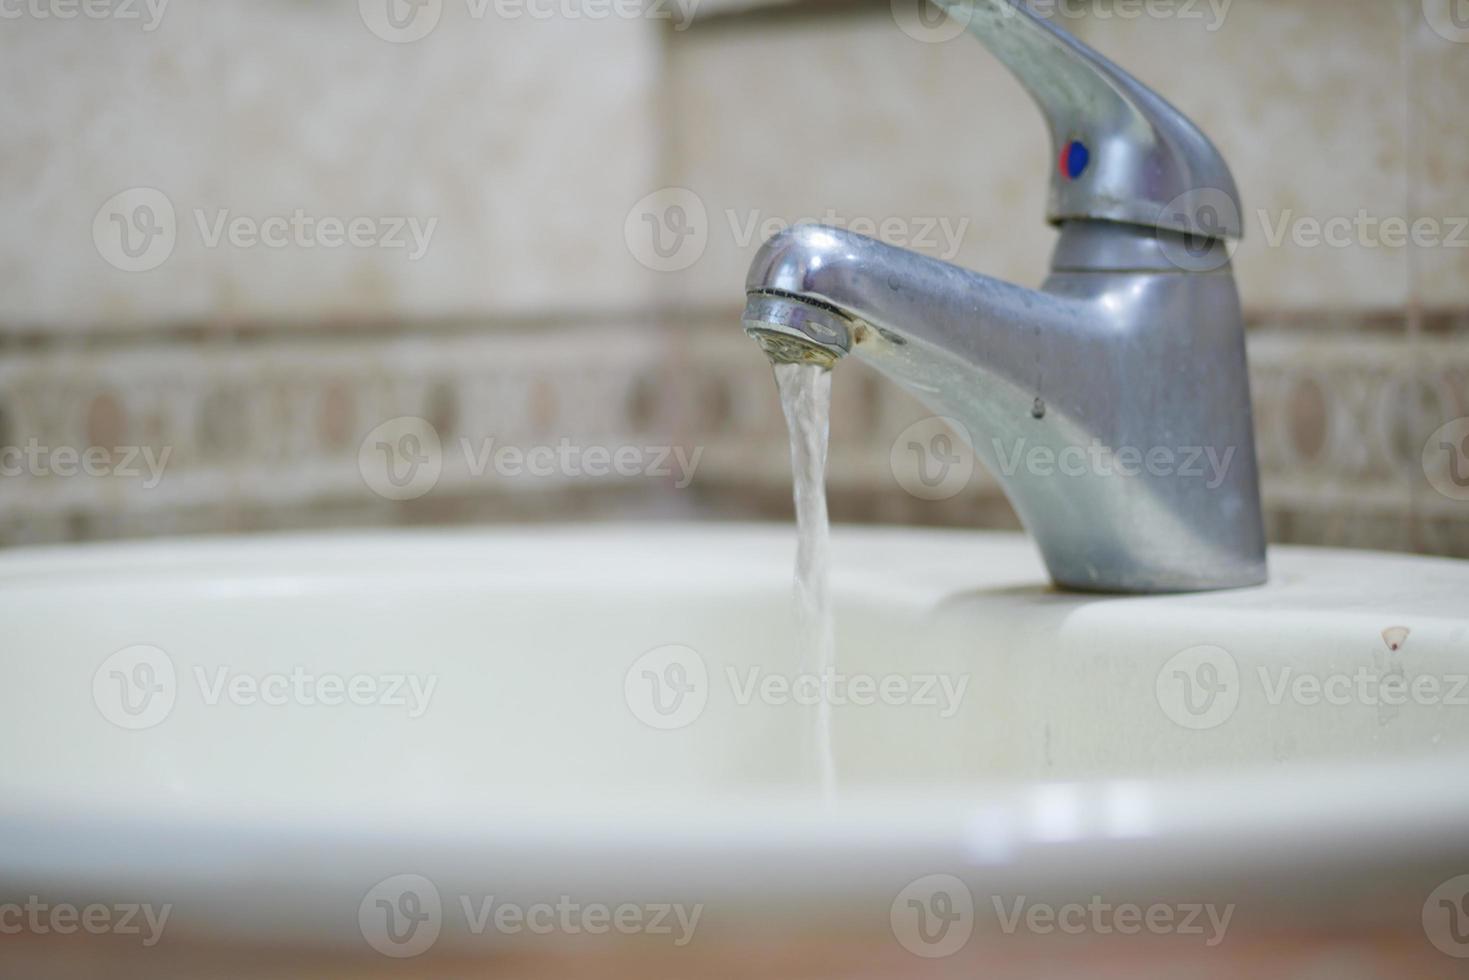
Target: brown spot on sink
{"x": 1395, "y": 637}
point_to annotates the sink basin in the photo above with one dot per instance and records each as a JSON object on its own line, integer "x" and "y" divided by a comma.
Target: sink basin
{"x": 264, "y": 734}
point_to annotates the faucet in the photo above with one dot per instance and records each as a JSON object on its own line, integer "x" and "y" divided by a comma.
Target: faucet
{"x": 1113, "y": 404}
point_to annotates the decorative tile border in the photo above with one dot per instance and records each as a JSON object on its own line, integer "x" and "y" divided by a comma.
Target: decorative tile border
{"x": 267, "y": 431}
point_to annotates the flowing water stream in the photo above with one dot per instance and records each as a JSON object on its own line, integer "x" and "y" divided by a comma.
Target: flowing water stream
{"x": 805, "y": 397}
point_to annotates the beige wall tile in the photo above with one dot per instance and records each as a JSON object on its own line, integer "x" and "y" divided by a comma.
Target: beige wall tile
{"x": 1307, "y": 102}
{"x": 520, "y": 137}
{"x": 780, "y": 118}
{"x": 1439, "y": 151}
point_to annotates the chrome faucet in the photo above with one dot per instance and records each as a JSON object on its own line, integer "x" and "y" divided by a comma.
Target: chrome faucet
{"x": 1113, "y": 405}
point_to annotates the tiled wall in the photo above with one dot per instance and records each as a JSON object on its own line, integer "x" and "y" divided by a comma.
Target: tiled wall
{"x": 510, "y": 144}
{"x": 545, "y": 155}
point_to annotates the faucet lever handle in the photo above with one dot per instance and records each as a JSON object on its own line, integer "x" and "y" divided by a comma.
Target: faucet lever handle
{"x": 1123, "y": 153}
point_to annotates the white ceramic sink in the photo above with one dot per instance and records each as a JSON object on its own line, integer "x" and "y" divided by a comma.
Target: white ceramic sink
{"x": 503, "y": 728}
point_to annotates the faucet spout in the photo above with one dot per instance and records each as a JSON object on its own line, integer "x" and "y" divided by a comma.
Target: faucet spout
{"x": 1111, "y": 406}
{"x": 835, "y": 291}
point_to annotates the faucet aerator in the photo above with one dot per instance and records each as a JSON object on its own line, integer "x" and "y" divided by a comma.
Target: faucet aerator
{"x": 794, "y": 330}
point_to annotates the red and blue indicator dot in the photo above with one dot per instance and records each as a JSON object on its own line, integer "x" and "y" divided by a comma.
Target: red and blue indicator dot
{"x": 1074, "y": 159}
